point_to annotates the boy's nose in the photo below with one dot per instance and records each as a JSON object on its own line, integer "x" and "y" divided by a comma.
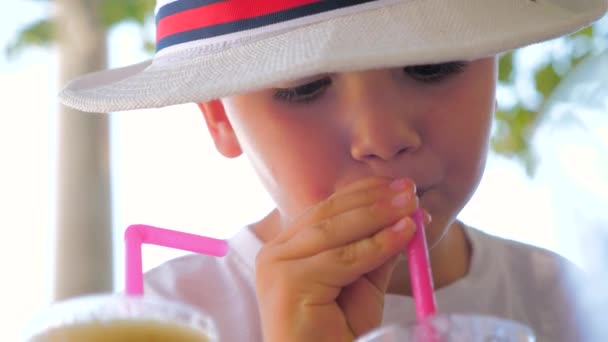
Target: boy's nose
{"x": 382, "y": 128}
{"x": 383, "y": 142}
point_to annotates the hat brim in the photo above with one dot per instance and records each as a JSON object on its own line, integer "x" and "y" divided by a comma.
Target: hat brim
{"x": 408, "y": 33}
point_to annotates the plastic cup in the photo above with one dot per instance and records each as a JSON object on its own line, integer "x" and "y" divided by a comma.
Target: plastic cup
{"x": 120, "y": 318}
{"x": 453, "y": 328}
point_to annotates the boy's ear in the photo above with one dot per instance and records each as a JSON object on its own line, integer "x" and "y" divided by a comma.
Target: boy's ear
{"x": 220, "y": 128}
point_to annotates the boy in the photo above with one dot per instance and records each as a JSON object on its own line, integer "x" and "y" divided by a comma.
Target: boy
{"x": 353, "y": 114}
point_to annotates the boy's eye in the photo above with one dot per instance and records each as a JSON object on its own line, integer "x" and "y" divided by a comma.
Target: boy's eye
{"x": 434, "y": 72}
{"x": 303, "y": 93}
{"x": 427, "y": 73}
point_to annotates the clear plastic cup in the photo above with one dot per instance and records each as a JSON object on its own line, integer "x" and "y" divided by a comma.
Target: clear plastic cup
{"x": 453, "y": 328}
{"x": 120, "y": 318}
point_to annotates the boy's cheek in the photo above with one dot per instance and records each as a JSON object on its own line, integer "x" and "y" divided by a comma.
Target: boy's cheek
{"x": 314, "y": 182}
{"x": 319, "y": 193}
{"x": 296, "y": 200}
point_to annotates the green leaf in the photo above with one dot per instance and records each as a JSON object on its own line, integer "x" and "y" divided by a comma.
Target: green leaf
{"x": 512, "y": 137}
{"x": 149, "y": 46}
{"x": 505, "y": 67}
{"x": 546, "y": 80}
{"x": 113, "y": 12}
{"x": 38, "y": 33}
{"x": 578, "y": 59}
{"x": 513, "y": 130}
{"x": 587, "y": 31}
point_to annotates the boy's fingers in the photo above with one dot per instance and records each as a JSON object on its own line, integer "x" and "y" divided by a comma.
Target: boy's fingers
{"x": 348, "y": 227}
{"x": 340, "y": 266}
{"x": 364, "y": 183}
{"x": 361, "y": 194}
{"x": 333, "y": 205}
{"x": 427, "y": 217}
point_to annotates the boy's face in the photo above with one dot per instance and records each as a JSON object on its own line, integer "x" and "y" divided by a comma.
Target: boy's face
{"x": 308, "y": 138}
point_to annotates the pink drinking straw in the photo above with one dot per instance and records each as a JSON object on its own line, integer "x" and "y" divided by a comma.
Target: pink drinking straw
{"x": 138, "y": 234}
{"x": 420, "y": 270}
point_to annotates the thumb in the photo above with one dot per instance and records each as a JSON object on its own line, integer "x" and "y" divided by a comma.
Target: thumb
{"x": 381, "y": 276}
{"x": 363, "y": 301}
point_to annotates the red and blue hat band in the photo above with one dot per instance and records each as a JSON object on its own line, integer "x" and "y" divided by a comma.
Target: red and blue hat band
{"x": 185, "y": 21}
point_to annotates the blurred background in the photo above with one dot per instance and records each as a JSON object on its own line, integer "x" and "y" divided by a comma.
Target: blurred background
{"x": 70, "y": 183}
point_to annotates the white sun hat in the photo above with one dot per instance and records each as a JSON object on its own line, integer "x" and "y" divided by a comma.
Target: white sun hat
{"x": 208, "y": 49}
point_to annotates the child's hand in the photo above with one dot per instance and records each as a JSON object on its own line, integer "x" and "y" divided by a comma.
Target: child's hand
{"x": 324, "y": 277}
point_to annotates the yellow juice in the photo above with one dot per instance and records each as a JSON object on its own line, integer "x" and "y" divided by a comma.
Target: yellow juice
{"x": 122, "y": 331}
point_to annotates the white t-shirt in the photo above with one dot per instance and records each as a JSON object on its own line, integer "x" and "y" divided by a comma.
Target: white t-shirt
{"x": 506, "y": 279}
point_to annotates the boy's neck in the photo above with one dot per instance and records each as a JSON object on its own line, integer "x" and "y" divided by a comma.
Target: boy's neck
{"x": 268, "y": 227}
{"x": 450, "y": 258}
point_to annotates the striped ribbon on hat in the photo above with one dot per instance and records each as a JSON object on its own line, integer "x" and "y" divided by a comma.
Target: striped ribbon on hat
{"x": 209, "y": 21}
